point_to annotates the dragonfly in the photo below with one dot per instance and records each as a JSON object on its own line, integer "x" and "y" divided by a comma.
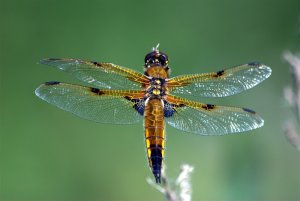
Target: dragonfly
{"x": 119, "y": 95}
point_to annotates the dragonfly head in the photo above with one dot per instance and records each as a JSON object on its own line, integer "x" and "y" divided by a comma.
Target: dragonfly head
{"x": 156, "y": 58}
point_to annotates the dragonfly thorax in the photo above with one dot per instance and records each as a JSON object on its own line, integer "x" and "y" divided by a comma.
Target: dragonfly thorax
{"x": 156, "y": 88}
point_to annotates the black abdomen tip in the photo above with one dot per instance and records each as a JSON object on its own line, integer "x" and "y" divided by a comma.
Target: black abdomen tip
{"x": 157, "y": 173}
{"x": 157, "y": 178}
{"x": 51, "y": 83}
{"x": 156, "y": 162}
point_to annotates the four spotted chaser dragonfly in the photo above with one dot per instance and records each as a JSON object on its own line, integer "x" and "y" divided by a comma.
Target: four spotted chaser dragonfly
{"x": 123, "y": 96}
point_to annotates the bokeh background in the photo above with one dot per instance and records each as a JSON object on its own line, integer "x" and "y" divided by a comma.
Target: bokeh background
{"x": 49, "y": 154}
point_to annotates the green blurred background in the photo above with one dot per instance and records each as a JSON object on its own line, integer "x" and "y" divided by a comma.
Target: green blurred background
{"x": 49, "y": 154}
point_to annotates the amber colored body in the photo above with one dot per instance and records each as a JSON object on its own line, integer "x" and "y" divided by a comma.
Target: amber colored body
{"x": 155, "y": 135}
{"x": 154, "y": 123}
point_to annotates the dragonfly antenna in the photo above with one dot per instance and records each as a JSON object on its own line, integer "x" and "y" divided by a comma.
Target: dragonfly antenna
{"x": 156, "y": 48}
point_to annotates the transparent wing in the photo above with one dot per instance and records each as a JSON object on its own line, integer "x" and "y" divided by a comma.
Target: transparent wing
{"x": 221, "y": 83}
{"x": 103, "y": 75}
{"x": 104, "y": 106}
{"x": 207, "y": 119}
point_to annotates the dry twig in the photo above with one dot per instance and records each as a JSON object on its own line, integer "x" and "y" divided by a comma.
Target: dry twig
{"x": 181, "y": 190}
{"x": 293, "y": 98}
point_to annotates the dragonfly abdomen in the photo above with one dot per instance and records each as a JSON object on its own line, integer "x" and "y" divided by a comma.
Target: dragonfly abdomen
{"x": 155, "y": 135}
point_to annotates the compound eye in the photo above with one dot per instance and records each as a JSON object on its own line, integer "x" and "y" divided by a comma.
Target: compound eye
{"x": 163, "y": 59}
{"x": 147, "y": 58}
{"x": 150, "y": 57}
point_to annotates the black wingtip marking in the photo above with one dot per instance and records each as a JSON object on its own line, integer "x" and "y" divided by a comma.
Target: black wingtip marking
{"x": 48, "y": 59}
{"x": 96, "y": 91}
{"x": 254, "y": 63}
{"x": 52, "y": 83}
{"x": 249, "y": 110}
{"x": 208, "y": 106}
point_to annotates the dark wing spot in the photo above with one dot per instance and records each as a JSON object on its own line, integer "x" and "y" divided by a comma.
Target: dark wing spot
{"x": 169, "y": 112}
{"x": 169, "y": 109}
{"x": 139, "y": 104}
{"x": 208, "y": 106}
{"x": 96, "y": 63}
{"x": 51, "y": 83}
{"x": 219, "y": 73}
{"x": 96, "y": 91}
{"x": 254, "y": 63}
{"x": 127, "y": 98}
{"x": 249, "y": 110}
{"x": 140, "y": 108}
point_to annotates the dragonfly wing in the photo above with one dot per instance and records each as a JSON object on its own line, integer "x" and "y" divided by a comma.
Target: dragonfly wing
{"x": 221, "y": 83}
{"x": 103, "y": 75}
{"x": 104, "y": 106}
{"x": 207, "y": 119}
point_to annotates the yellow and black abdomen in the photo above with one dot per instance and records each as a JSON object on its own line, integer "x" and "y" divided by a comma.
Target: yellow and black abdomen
{"x": 155, "y": 135}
